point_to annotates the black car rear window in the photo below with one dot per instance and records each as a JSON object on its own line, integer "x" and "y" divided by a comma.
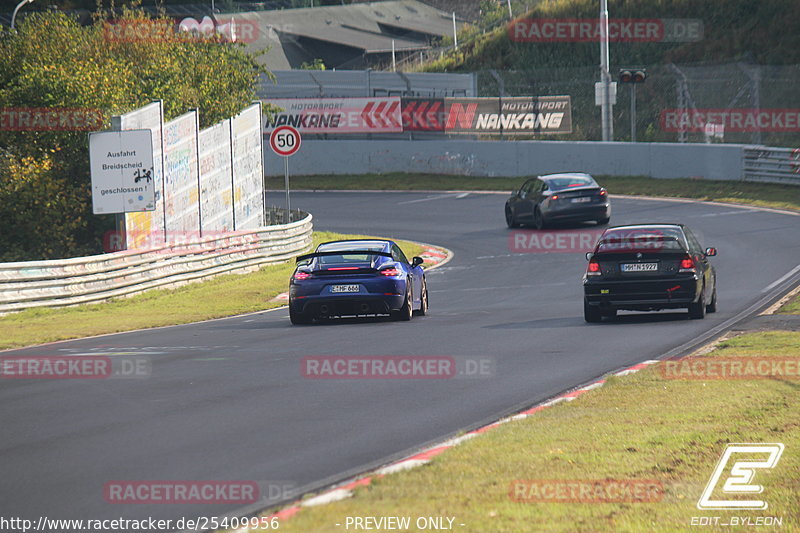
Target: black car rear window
{"x": 642, "y": 239}
{"x": 569, "y": 182}
{"x": 349, "y": 253}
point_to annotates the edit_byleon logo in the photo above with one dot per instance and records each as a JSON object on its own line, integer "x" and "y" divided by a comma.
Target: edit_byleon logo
{"x": 745, "y": 460}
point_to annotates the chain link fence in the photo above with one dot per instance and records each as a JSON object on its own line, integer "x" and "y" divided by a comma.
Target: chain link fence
{"x": 733, "y": 102}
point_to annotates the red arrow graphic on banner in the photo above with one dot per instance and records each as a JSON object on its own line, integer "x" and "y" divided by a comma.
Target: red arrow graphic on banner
{"x": 433, "y": 116}
{"x": 430, "y": 119}
{"x": 380, "y": 116}
{"x": 423, "y": 115}
{"x": 406, "y": 114}
{"x": 377, "y": 115}
{"x": 391, "y": 119}
{"x": 365, "y": 115}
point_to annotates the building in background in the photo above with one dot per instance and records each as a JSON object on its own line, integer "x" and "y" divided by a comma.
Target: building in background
{"x": 356, "y": 36}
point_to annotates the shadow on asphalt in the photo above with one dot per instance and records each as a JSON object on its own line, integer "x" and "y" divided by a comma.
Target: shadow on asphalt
{"x": 330, "y": 322}
{"x": 570, "y": 322}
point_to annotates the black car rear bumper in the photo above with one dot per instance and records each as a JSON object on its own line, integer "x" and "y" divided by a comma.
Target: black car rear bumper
{"x": 578, "y": 213}
{"x": 642, "y": 295}
{"x": 358, "y": 304}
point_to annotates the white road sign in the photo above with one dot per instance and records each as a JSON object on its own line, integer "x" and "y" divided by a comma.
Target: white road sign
{"x": 121, "y": 164}
{"x": 285, "y": 140}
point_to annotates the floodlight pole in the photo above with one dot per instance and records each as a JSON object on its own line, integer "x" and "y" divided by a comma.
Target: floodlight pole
{"x": 14, "y": 16}
{"x": 633, "y": 112}
{"x": 605, "y": 77}
{"x": 455, "y": 32}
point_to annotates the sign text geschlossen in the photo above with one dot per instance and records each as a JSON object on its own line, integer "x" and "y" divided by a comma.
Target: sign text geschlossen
{"x": 121, "y": 164}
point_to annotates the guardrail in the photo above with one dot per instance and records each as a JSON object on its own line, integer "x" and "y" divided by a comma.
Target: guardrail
{"x": 778, "y": 165}
{"x": 81, "y": 280}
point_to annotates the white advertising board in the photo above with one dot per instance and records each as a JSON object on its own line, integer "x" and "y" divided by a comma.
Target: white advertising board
{"x": 181, "y": 194}
{"x": 248, "y": 168}
{"x": 216, "y": 201}
{"x": 142, "y": 227}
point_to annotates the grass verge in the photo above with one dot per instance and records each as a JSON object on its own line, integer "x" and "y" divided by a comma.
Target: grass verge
{"x": 639, "y": 427}
{"x": 740, "y": 192}
{"x": 222, "y": 296}
{"x": 792, "y": 307}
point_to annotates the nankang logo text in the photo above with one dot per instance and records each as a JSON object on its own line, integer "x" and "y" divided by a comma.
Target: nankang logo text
{"x": 519, "y": 121}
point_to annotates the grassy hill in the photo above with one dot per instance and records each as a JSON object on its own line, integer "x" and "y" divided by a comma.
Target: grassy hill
{"x": 764, "y": 31}
{"x": 748, "y": 57}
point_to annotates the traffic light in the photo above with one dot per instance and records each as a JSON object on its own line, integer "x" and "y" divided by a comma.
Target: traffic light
{"x": 632, "y": 75}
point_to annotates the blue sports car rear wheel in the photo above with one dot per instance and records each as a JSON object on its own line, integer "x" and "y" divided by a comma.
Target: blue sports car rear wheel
{"x": 299, "y": 318}
{"x": 423, "y": 305}
{"x": 405, "y": 312}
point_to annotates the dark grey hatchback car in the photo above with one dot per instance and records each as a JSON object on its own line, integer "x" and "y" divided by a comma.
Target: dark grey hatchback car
{"x": 566, "y": 197}
{"x": 649, "y": 267}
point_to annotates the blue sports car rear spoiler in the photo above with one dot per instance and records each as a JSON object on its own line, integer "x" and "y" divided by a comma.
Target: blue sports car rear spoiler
{"x": 341, "y": 252}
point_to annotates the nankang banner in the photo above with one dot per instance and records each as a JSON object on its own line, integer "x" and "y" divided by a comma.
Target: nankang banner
{"x": 529, "y": 115}
{"x": 336, "y": 115}
{"x": 509, "y": 116}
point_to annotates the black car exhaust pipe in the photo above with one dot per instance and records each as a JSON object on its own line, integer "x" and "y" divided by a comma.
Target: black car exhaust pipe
{"x": 364, "y": 308}
{"x": 324, "y": 310}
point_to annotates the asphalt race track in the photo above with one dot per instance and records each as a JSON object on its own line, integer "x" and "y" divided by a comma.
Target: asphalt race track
{"x": 226, "y": 399}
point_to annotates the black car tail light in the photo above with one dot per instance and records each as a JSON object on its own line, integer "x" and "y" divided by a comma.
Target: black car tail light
{"x": 300, "y": 275}
{"x": 687, "y": 264}
{"x": 389, "y": 272}
{"x": 593, "y": 269}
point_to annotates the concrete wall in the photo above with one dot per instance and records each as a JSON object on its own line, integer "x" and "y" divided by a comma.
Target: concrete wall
{"x": 512, "y": 158}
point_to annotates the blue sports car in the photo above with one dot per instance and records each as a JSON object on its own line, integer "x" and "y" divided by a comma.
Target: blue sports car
{"x": 357, "y": 277}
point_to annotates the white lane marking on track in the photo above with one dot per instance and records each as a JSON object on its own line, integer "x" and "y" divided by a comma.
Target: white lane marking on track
{"x": 739, "y": 212}
{"x": 429, "y": 198}
{"x": 514, "y": 287}
{"x": 328, "y": 497}
{"x": 781, "y": 279}
{"x": 462, "y": 195}
{"x": 402, "y": 465}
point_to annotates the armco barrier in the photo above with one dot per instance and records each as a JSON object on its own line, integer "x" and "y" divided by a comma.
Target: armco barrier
{"x": 80, "y": 280}
{"x": 778, "y": 165}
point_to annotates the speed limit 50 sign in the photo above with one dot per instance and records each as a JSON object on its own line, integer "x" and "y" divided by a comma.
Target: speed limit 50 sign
{"x": 284, "y": 140}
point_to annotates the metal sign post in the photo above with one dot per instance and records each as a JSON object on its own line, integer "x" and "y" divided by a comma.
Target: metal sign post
{"x": 633, "y": 112}
{"x": 286, "y": 184}
{"x": 285, "y": 141}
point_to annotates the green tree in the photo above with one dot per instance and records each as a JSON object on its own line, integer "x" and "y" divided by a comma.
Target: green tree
{"x": 108, "y": 68}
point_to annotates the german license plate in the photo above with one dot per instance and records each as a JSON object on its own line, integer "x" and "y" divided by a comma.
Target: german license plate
{"x": 344, "y": 288}
{"x": 639, "y": 267}
{"x": 580, "y": 199}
